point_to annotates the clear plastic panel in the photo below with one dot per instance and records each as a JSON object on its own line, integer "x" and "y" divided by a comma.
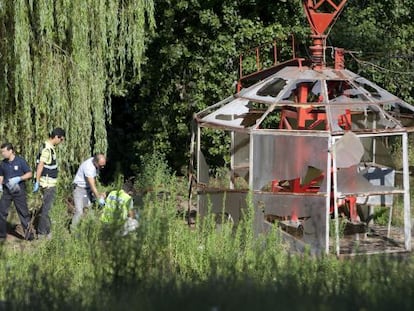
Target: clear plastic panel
{"x": 283, "y": 157}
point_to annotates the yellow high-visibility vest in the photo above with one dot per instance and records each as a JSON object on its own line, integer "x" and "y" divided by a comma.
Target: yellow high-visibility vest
{"x": 117, "y": 205}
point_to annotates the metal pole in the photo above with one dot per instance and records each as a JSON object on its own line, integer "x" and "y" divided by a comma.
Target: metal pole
{"x": 232, "y": 152}
{"x": 198, "y": 162}
{"x": 406, "y": 185}
{"x": 328, "y": 196}
{"x": 191, "y": 172}
{"x": 335, "y": 190}
{"x": 274, "y": 53}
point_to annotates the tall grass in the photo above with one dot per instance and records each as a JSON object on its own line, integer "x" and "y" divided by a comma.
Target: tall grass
{"x": 165, "y": 265}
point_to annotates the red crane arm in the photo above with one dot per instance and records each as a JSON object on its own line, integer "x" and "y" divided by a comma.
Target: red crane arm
{"x": 318, "y": 19}
{"x": 320, "y": 14}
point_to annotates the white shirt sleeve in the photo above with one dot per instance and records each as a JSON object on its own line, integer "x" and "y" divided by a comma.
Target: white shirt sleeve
{"x": 89, "y": 170}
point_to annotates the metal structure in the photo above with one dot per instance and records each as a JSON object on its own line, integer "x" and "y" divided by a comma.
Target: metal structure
{"x": 311, "y": 143}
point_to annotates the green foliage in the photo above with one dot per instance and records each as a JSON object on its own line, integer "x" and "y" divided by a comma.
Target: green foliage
{"x": 166, "y": 265}
{"x": 154, "y": 174}
{"x": 341, "y": 227}
{"x": 381, "y": 33}
{"x": 193, "y": 63}
{"x": 193, "y": 60}
{"x": 60, "y": 63}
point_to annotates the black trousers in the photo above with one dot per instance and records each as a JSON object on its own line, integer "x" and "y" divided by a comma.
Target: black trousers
{"x": 20, "y": 202}
{"x": 44, "y": 221}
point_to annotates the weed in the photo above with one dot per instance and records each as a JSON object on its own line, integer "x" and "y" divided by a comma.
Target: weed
{"x": 165, "y": 265}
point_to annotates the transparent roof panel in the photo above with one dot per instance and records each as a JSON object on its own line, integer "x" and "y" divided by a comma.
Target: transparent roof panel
{"x": 374, "y": 90}
{"x": 266, "y": 91}
{"x": 302, "y": 98}
{"x": 362, "y": 117}
{"x": 341, "y": 91}
{"x": 295, "y": 94}
{"x": 272, "y": 88}
{"x": 239, "y": 113}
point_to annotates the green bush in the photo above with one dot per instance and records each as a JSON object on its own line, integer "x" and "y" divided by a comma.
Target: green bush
{"x": 165, "y": 265}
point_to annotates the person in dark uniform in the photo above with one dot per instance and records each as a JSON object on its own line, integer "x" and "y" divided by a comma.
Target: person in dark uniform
{"x": 14, "y": 171}
{"x": 46, "y": 177}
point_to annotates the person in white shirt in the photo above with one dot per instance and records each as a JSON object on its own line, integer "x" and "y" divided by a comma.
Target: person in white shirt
{"x": 84, "y": 186}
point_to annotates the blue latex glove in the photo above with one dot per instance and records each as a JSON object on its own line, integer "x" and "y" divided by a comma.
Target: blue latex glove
{"x": 36, "y": 187}
{"x": 1, "y": 187}
{"x": 101, "y": 201}
{"x": 15, "y": 180}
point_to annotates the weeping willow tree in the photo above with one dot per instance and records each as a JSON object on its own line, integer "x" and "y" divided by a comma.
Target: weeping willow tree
{"x": 60, "y": 62}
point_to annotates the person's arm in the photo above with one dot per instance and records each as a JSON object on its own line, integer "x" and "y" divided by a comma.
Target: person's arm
{"x": 45, "y": 157}
{"x": 27, "y": 176}
{"x": 27, "y": 172}
{"x": 39, "y": 170}
{"x": 92, "y": 185}
{"x": 1, "y": 179}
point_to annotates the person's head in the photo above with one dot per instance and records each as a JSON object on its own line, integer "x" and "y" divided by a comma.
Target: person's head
{"x": 7, "y": 150}
{"x": 128, "y": 187}
{"x": 132, "y": 213}
{"x": 99, "y": 160}
{"x": 57, "y": 135}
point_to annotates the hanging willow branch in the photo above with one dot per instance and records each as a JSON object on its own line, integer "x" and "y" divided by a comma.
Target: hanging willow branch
{"x": 60, "y": 63}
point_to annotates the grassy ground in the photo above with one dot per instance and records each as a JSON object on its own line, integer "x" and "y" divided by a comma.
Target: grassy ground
{"x": 165, "y": 265}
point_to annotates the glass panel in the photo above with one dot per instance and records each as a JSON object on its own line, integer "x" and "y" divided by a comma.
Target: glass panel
{"x": 239, "y": 113}
{"x": 310, "y": 90}
{"x": 292, "y": 211}
{"x": 278, "y": 158}
{"x": 374, "y": 90}
{"x": 272, "y": 120}
{"x": 377, "y": 152}
{"x": 230, "y": 202}
{"x": 340, "y": 91}
{"x": 241, "y": 149}
{"x": 272, "y": 88}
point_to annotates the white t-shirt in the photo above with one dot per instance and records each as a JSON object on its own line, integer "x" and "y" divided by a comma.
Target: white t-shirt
{"x": 86, "y": 169}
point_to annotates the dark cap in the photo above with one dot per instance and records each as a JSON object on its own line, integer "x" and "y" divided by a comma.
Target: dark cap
{"x": 57, "y": 132}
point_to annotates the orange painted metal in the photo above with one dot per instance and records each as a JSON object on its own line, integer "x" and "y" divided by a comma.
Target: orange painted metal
{"x": 339, "y": 59}
{"x": 319, "y": 22}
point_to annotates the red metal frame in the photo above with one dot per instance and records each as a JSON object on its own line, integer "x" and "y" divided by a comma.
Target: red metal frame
{"x": 309, "y": 117}
{"x": 319, "y": 22}
{"x": 309, "y": 113}
{"x": 259, "y": 69}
